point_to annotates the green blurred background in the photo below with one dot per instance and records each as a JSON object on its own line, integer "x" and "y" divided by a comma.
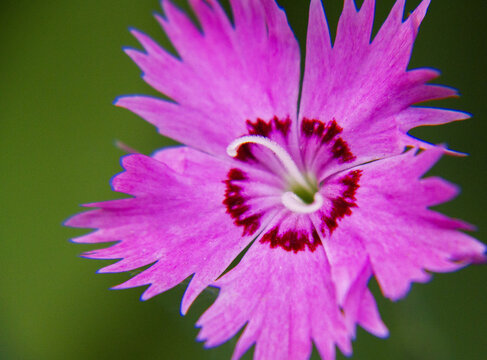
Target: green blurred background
{"x": 61, "y": 65}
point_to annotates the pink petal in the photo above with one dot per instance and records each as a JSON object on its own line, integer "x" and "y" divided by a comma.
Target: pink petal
{"x": 360, "y": 306}
{"x": 392, "y": 225}
{"x": 225, "y": 75}
{"x": 346, "y": 255}
{"x": 289, "y": 302}
{"x": 364, "y": 85}
{"x": 419, "y": 116}
{"x": 199, "y": 238}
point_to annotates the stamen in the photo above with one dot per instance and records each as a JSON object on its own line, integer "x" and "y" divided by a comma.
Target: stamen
{"x": 295, "y": 204}
{"x": 281, "y": 154}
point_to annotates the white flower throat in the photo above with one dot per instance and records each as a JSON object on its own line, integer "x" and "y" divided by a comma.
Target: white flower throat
{"x": 304, "y": 196}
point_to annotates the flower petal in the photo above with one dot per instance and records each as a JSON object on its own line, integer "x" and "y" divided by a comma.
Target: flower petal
{"x": 420, "y": 116}
{"x": 360, "y": 306}
{"x": 394, "y": 229}
{"x": 363, "y": 85}
{"x": 199, "y": 238}
{"x": 286, "y": 299}
{"x": 225, "y": 75}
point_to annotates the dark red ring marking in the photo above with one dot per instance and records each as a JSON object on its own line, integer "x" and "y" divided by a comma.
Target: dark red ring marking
{"x": 292, "y": 240}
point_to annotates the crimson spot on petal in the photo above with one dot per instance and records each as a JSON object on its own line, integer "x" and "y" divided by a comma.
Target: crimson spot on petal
{"x": 236, "y": 205}
{"x": 342, "y": 152}
{"x": 282, "y": 125}
{"x": 342, "y": 205}
{"x": 266, "y": 128}
{"x": 292, "y": 240}
{"x": 244, "y": 153}
{"x": 326, "y": 133}
{"x": 259, "y": 127}
{"x": 332, "y": 130}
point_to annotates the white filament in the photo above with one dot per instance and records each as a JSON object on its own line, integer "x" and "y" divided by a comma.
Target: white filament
{"x": 295, "y": 204}
{"x": 281, "y": 154}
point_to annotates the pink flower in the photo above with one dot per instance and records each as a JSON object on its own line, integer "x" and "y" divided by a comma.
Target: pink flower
{"x": 323, "y": 194}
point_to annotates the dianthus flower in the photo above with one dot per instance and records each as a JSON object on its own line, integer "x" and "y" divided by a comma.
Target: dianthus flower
{"x": 325, "y": 195}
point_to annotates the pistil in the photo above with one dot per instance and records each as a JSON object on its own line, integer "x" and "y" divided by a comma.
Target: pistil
{"x": 290, "y": 199}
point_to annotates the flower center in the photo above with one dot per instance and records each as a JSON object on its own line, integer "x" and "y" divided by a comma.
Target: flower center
{"x": 303, "y": 196}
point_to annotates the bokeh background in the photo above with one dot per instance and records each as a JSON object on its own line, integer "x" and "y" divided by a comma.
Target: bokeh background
{"x": 61, "y": 65}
